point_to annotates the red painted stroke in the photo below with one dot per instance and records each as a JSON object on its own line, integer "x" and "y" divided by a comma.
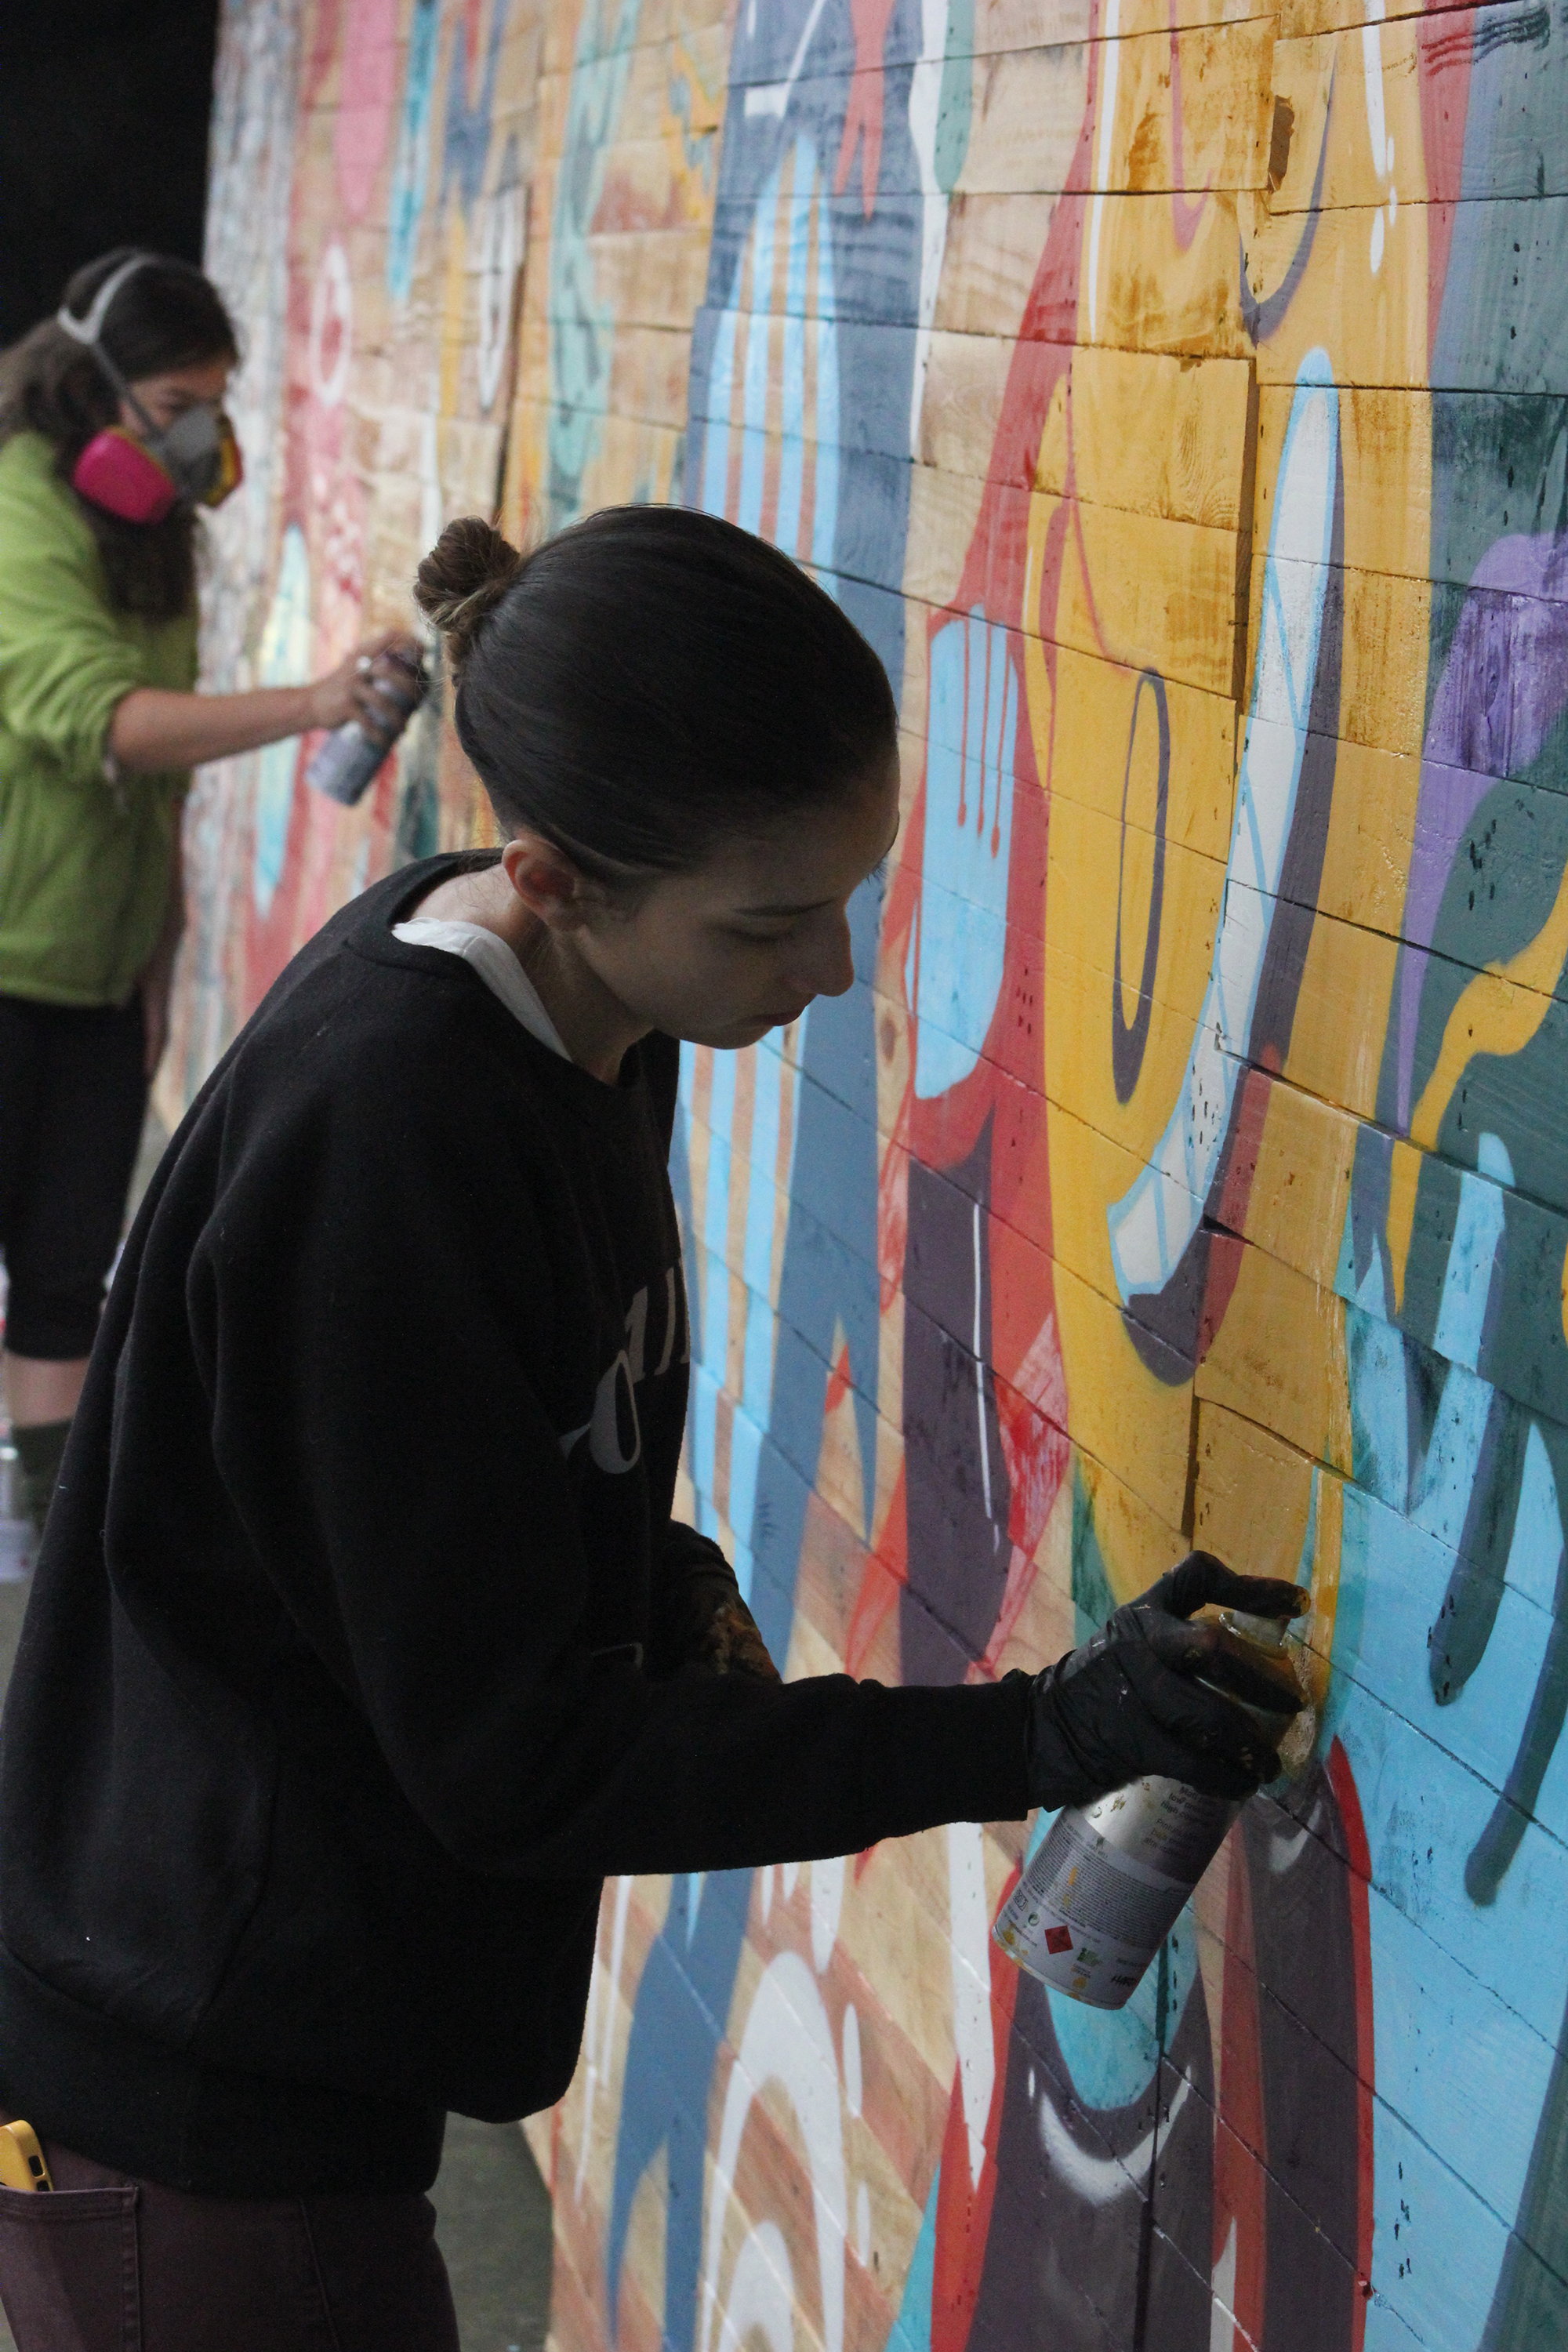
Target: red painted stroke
{"x": 1358, "y": 1856}
{"x": 963, "y": 2204}
{"x": 1004, "y": 1086}
{"x": 886, "y": 1572}
{"x": 1443, "y": 50}
{"x": 370, "y": 69}
{"x": 863, "y": 114}
{"x": 1241, "y": 2143}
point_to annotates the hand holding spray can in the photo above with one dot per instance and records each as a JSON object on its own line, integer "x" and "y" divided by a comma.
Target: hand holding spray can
{"x": 1110, "y": 1878}
{"x": 351, "y": 756}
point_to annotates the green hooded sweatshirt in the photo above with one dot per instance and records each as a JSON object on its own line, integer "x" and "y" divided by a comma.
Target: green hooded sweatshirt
{"x": 86, "y": 855}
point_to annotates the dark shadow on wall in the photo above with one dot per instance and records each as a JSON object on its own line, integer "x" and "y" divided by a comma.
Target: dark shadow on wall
{"x": 104, "y": 107}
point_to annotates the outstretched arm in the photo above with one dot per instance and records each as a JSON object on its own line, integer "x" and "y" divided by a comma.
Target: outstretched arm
{"x": 153, "y": 729}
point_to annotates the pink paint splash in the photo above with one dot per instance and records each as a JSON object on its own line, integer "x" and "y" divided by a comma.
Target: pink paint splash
{"x": 369, "y": 62}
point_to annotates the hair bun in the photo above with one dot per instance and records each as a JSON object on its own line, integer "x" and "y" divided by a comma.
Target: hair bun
{"x": 462, "y": 580}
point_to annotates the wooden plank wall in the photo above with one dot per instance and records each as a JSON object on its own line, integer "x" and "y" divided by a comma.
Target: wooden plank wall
{"x": 1178, "y": 398}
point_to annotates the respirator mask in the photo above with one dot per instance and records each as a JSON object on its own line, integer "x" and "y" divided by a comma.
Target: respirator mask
{"x": 142, "y": 477}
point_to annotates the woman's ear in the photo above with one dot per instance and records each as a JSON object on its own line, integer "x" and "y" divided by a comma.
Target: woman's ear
{"x": 548, "y": 883}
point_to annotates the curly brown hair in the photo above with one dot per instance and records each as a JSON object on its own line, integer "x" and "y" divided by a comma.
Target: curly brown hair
{"x": 166, "y": 315}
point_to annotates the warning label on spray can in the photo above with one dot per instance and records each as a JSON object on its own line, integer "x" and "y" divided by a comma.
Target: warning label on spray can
{"x": 1108, "y": 1885}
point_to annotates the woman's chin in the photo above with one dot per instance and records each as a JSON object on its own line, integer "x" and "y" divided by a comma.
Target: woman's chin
{"x": 745, "y": 1029}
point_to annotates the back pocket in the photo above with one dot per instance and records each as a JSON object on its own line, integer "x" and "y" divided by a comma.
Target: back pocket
{"x": 69, "y": 2274}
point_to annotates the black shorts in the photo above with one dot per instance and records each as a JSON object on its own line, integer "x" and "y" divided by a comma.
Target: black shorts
{"x": 73, "y": 1095}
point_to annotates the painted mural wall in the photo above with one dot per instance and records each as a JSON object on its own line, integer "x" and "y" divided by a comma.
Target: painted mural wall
{"x": 1177, "y": 397}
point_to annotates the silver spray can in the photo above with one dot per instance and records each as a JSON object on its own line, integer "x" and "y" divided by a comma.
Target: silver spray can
{"x": 1109, "y": 1880}
{"x": 350, "y": 758}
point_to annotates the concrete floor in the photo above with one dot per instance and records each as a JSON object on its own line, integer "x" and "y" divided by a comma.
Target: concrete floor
{"x": 494, "y": 2217}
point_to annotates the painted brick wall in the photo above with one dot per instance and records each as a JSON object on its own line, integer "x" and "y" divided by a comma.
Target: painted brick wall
{"x": 1178, "y": 399}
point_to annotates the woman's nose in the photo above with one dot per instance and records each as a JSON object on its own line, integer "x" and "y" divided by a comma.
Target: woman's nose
{"x": 828, "y": 970}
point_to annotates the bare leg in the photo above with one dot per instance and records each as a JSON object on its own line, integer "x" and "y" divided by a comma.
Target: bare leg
{"x": 39, "y": 1390}
{"x": 41, "y": 1396}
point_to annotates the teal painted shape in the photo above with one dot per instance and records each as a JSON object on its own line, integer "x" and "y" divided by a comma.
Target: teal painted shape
{"x": 1441, "y": 2230}
{"x": 581, "y": 327}
{"x": 959, "y": 949}
{"x": 411, "y": 162}
{"x": 1467, "y": 1992}
{"x": 911, "y": 2329}
{"x": 1111, "y": 2053}
{"x": 1092, "y": 1596}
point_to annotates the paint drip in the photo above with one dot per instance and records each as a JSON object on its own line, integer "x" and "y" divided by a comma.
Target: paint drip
{"x": 1110, "y": 1879}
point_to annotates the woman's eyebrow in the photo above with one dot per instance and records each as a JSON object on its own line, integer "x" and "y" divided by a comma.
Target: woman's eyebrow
{"x": 811, "y": 905}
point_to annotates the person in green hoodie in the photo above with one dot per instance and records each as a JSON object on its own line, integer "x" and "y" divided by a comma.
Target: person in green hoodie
{"x": 113, "y": 436}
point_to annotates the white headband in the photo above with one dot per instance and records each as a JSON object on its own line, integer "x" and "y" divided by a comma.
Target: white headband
{"x": 88, "y": 331}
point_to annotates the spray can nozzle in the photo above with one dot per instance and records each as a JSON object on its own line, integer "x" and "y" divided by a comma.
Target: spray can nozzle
{"x": 1251, "y": 1663}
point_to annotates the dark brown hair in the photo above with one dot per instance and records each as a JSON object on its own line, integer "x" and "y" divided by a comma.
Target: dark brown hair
{"x": 650, "y": 682}
{"x": 166, "y": 315}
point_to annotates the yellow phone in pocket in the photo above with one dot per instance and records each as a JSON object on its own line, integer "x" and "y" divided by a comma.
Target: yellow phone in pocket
{"x": 22, "y": 2164}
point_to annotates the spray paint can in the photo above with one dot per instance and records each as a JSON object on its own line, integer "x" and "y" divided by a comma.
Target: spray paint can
{"x": 346, "y": 763}
{"x": 1109, "y": 1880}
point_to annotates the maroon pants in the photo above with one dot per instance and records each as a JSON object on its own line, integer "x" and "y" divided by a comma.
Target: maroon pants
{"x": 107, "y": 2263}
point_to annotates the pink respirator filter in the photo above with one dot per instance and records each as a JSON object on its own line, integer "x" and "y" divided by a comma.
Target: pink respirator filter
{"x": 121, "y": 474}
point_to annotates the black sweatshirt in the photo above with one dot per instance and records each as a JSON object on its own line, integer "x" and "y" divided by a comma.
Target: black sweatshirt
{"x": 342, "y": 1685}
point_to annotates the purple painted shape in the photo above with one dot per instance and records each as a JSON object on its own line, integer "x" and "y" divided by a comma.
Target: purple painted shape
{"x": 1504, "y": 683}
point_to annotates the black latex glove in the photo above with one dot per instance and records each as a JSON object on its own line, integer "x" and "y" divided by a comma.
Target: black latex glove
{"x": 702, "y": 1620}
{"x": 1127, "y": 1703}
